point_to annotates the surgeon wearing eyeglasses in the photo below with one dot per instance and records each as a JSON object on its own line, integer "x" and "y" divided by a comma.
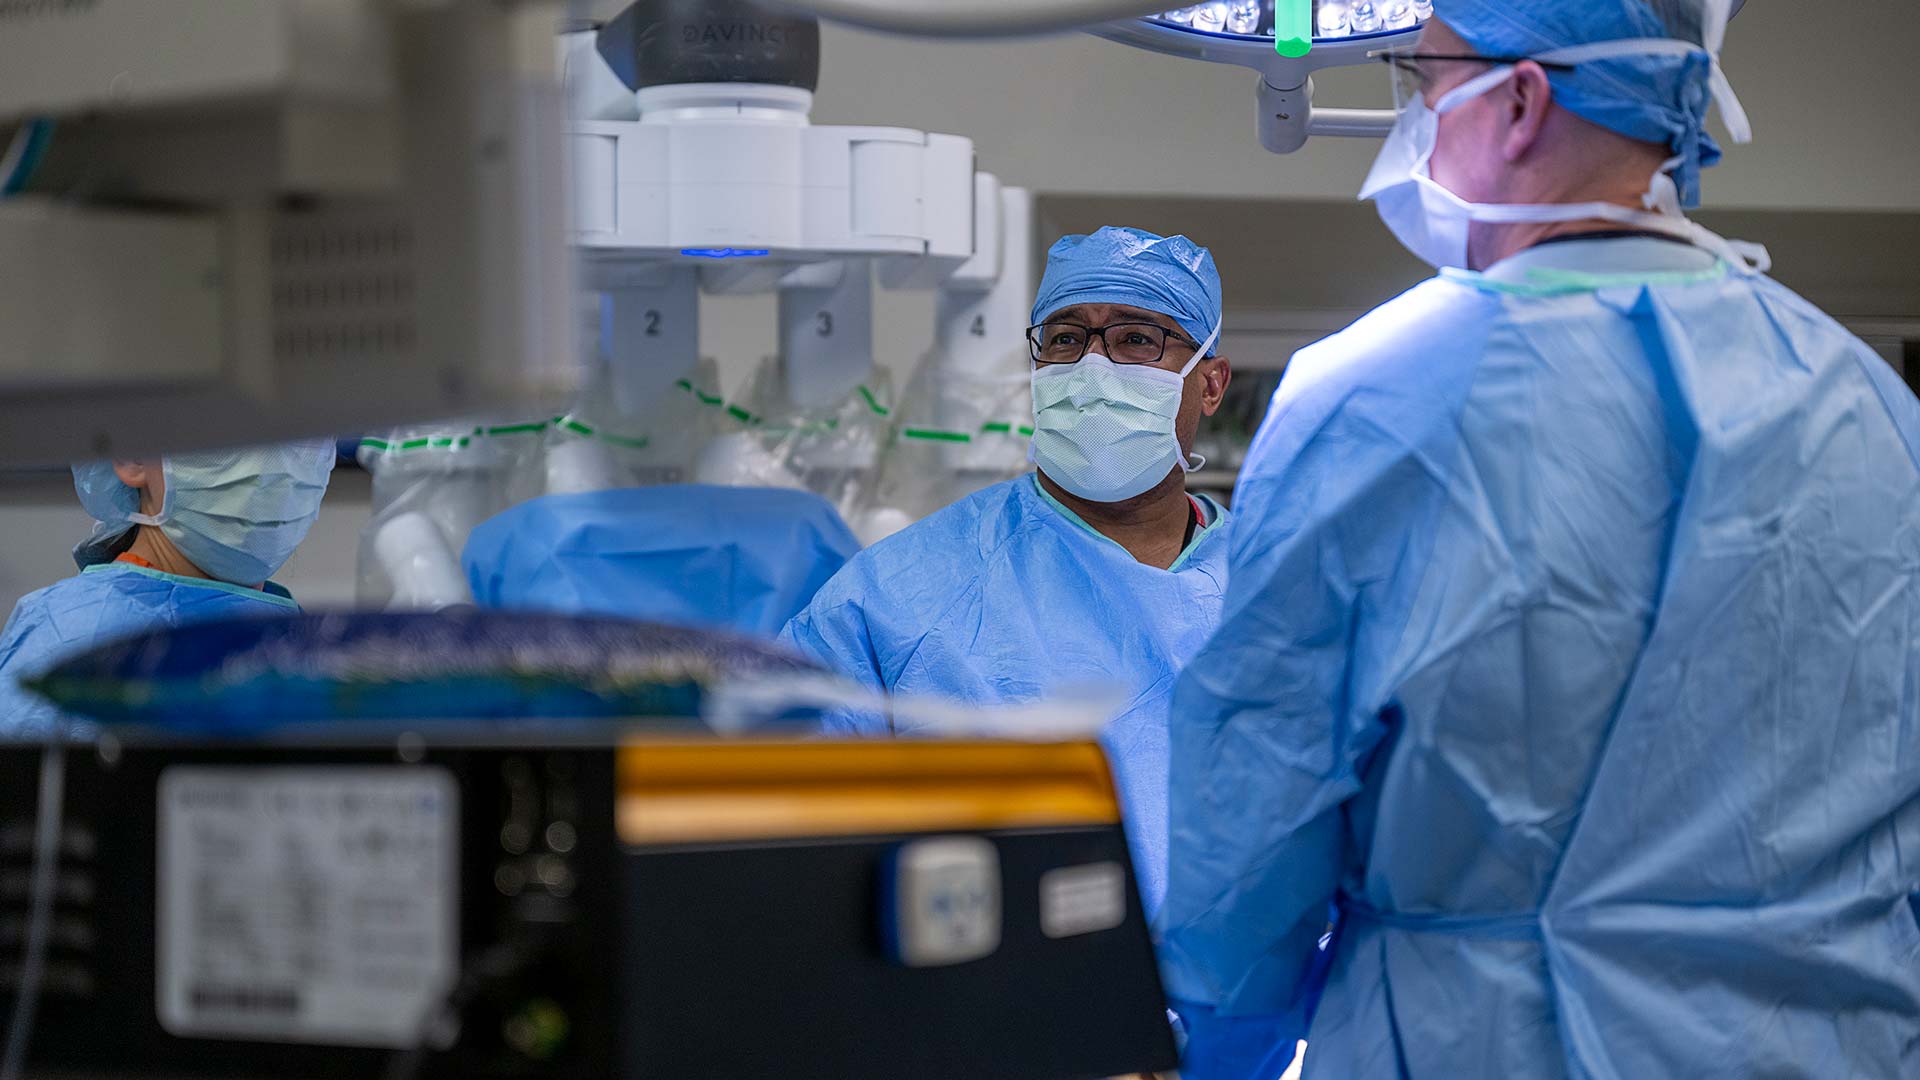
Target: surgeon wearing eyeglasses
{"x": 1573, "y": 643}
{"x": 1099, "y": 569}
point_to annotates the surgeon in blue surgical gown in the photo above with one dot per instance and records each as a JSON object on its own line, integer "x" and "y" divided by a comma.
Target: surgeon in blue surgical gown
{"x": 188, "y": 538}
{"x": 1573, "y": 644}
{"x": 1097, "y": 571}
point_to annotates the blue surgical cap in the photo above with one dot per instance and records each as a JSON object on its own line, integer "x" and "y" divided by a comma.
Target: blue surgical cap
{"x": 1170, "y": 275}
{"x": 1658, "y": 99}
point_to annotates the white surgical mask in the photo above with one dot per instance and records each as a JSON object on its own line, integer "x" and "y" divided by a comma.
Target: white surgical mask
{"x": 1434, "y": 223}
{"x": 1105, "y": 431}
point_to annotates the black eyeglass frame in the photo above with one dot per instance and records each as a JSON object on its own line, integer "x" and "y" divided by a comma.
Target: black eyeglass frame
{"x": 1405, "y": 61}
{"x": 1167, "y": 336}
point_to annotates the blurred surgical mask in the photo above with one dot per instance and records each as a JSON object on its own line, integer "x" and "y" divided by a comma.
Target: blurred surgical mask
{"x": 237, "y": 515}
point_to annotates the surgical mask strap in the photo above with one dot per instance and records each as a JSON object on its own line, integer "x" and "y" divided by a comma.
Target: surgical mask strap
{"x": 1663, "y": 195}
{"x": 166, "y": 503}
{"x": 1195, "y": 462}
{"x": 1200, "y": 353}
{"x": 1480, "y": 84}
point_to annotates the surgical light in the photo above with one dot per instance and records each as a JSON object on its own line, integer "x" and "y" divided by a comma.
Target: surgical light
{"x": 1243, "y": 17}
{"x": 1211, "y": 18}
{"x": 1297, "y": 25}
{"x": 1286, "y": 41}
{"x": 1334, "y": 20}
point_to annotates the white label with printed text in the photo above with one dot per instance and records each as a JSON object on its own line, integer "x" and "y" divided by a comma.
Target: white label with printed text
{"x": 306, "y": 904}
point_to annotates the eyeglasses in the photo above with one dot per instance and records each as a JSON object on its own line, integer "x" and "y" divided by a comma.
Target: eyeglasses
{"x": 1411, "y": 76}
{"x": 1125, "y": 343}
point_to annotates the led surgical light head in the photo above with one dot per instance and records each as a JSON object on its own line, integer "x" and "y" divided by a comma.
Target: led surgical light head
{"x": 1286, "y": 41}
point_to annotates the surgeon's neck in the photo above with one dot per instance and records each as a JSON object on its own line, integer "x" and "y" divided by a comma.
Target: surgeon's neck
{"x": 1489, "y": 244}
{"x": 1575, "y": 161}
{"x": 152, "y": 545}
{"x": 1151, "y": 526}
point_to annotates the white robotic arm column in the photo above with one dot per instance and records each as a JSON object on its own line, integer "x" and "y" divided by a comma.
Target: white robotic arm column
{"x": 650, "y": 334}
{"x": 983, "y": 307}
{"x": 980, "y": 343}
{"x": 826, "y": 331}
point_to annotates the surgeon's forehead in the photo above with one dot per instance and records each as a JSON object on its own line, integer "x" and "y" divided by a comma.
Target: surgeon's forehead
{"x": 1438, "y": 37}
{"x": 1101, "y": 314}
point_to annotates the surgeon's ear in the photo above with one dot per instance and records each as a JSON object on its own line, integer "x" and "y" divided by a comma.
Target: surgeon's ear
{"x": 134, "y": 474}
{"x": 1527, "y": 99}
{"x": 1217, "y": 372}
{"x": 148, "y": 478}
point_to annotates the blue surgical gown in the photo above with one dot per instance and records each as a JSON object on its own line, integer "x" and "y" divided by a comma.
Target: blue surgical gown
{"x": 105, "y": 602}
{"x": 746, "y": 559}
{"x": 1007, "y": 597}
{"x": 1574, "y": 650}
